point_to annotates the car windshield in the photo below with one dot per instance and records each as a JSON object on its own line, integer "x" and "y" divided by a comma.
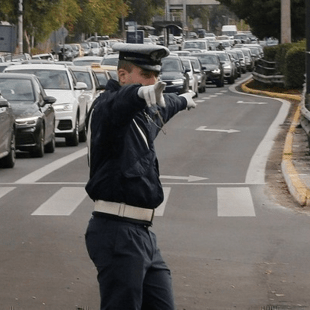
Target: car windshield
{"x": 114, "y": 74}
{"x": 102, "y": 78}
{"x": 83, "y": 77}
{"x": 171, "y": 65}
{"x": 110, "y": 61}
{"x": 195, "y": 44}
{"x": 186, "y": 64}
{"x": 223, "y": 57}
{"x": 17, "y": 90}
{"x": 254, "y": 51}
{"x": 240, "y": 54}
{"x": 208, "y": 59}
{"x": 195, "y": 64}
{"x": 50, "y": 79}
{"x": 246, "y": 53}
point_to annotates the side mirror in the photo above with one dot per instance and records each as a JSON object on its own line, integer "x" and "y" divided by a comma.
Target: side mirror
{"x": 4, "y": 103}
{"x": 80, "y": 86}
{"x": 49, "y": 100}
{"x": 204, "y": 68}
{"x": 187, "y": 70}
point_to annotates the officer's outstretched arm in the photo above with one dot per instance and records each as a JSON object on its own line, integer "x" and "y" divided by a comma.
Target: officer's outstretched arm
{"x": 153, "y": 94}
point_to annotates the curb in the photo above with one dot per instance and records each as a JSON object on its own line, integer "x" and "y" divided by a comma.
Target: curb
{"x": 296, "y": 187}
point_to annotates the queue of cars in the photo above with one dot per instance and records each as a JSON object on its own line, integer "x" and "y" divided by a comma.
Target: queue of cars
{"x": 43, "y": 98}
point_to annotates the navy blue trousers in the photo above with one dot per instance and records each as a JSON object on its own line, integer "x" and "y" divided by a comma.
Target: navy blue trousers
{"x": 131, "y": 272}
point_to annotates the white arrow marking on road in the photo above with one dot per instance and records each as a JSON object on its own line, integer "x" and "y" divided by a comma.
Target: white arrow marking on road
{"x": 190, "y": 178}
{"x": 204, "y": 128}
{"x": 251, "y": 102}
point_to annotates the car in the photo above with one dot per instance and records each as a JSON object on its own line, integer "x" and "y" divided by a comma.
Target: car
{"x": 199, "y": 44}
{"x": 174, "y": 74}
{"x": 87, "y": 75}
{"x": 193, "y": 79}
{"x": 65, "y": 52}
{"x": 33, "y": 111}
{"x": 229, "y": 67}
{"x": 213, "y": 67}
{"x": 7, "y": 135}
{"x": 242, "y": 37}
{"x": 103, "y": 74}
{"x": 59, "y": 81}
{"x": 234, "y": 57}
{"x": 199, "y": 72}
{"x": 110, "y": 59}
{"x": 241, "y": 58}
{"x": 86, "y": 48}
{"x": 249, "y": 60}
{"x": 87, "y": 60}
{"x": 76, "y": 50}
{"x": 95, "y": 47}
{"x": 46, "y": 56}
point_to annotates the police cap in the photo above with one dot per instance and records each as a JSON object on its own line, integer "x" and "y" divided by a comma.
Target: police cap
{"x": 145, "y": 56}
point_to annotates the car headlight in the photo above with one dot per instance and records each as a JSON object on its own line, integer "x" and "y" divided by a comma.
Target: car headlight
{"x": 27, "y": 121}
{"x": 177, "y": 82}
{"x": 63, "y": 107}
{"x": 216, "y": 71}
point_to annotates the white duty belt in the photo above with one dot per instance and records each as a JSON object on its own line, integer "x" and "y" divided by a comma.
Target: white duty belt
{"x": 123, "y": 210}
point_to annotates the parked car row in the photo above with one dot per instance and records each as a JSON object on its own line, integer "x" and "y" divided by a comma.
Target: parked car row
{"x": 39, "y": 102}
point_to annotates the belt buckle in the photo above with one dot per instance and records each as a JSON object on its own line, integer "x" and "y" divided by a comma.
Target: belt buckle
{"x": 121, "y": 209}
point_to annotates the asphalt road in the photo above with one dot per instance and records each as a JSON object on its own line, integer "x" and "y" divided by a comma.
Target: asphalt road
{"x": 229, "y": 244}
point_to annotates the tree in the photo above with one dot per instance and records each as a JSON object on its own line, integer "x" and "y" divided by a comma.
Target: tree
{"x": 142, "y": 11}
{"x": 264, "y": 16}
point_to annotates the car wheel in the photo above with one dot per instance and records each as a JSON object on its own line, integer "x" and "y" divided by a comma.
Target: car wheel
{"x": 73, "y": 139}
{"x": 231, "y": 80}
{"x": 50, "y": 147}
{"x": 39, "y": 150}
{"x": 9, "y": 160}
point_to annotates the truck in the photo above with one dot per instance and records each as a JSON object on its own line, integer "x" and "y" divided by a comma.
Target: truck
{"x": 229, "y": 30}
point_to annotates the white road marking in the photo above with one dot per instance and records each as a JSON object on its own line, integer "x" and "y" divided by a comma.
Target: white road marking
{"x": 5, "y": 190}
{"x": 63, "y": 202}
{"x": 204, "y": 128}
{"x": 190, "y": 178}
{"x": 251, "y": 102}
{"x": 199, "y": 100}
{"x": 42, "y": 172}
{"x": 159, "y": 211}
{"x": 235, "y": 202}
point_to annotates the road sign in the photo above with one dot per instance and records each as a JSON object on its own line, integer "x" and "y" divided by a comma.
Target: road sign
{"x": 7, "y": 38}
{"x": 135, "y": 36}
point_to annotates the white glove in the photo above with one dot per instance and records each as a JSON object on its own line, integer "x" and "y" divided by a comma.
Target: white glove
{"x": 189, "y": 98}
{"x": 153, "y": 94}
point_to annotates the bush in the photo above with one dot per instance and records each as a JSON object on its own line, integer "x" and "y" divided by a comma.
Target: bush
{"x": 295, "y": 67}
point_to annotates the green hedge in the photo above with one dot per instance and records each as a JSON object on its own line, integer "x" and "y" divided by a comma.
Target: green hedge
{"x": 290, "y": 61}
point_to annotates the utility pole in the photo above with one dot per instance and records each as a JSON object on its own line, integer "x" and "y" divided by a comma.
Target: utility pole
{"x": 20, "y": 26}
{"x": 285, "y": 21}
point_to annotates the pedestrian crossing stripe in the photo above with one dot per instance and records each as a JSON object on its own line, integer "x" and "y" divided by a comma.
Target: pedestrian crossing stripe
{"x": 231, "y": 201}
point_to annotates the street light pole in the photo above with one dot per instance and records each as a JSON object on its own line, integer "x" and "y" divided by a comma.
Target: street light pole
{"x": 20, "y": 26}
{"x": 285, "y": 21}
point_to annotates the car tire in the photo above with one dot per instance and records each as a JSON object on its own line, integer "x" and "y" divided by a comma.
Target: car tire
{"x": 231, "y": 80}
{"x": 50, "y": 146}
{"x": 73, "y": 139}
{"x": 9, "y": 160}
{"x": 83, "y": 135}
{"x": 39, "y": 149}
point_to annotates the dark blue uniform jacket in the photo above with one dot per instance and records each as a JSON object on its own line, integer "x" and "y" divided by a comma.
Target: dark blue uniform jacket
{"x": 122, "y": 158}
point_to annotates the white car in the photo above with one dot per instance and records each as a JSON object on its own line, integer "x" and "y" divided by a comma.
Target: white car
{"x": 193, "y": 79}
{"x": 58, "y": 81}
{"x": 87, "y": 75}
{"x": 199, "y": 44}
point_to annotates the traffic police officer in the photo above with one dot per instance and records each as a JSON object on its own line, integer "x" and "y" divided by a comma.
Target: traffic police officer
{"x": 124, "y": 181}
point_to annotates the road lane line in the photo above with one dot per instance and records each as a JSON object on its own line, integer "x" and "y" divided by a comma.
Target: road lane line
{"x": 235, "y": 202}
{"x": 5, "y": 190}
{"x": 159, "y": 211}
{"x": 63, "y": 202}
{"x": 42, "y": 172}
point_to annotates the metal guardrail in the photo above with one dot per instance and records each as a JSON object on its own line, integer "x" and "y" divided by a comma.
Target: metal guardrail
{"x": 265, "y": 72}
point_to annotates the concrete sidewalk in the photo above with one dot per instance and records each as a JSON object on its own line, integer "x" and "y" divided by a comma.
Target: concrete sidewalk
{"x": 295, "y": 163}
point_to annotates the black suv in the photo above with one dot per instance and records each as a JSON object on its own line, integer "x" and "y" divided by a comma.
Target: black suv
{"x": 213, "y": 67}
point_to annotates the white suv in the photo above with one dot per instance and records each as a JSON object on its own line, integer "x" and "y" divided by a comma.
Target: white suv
{"x": 58, "y": 81}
